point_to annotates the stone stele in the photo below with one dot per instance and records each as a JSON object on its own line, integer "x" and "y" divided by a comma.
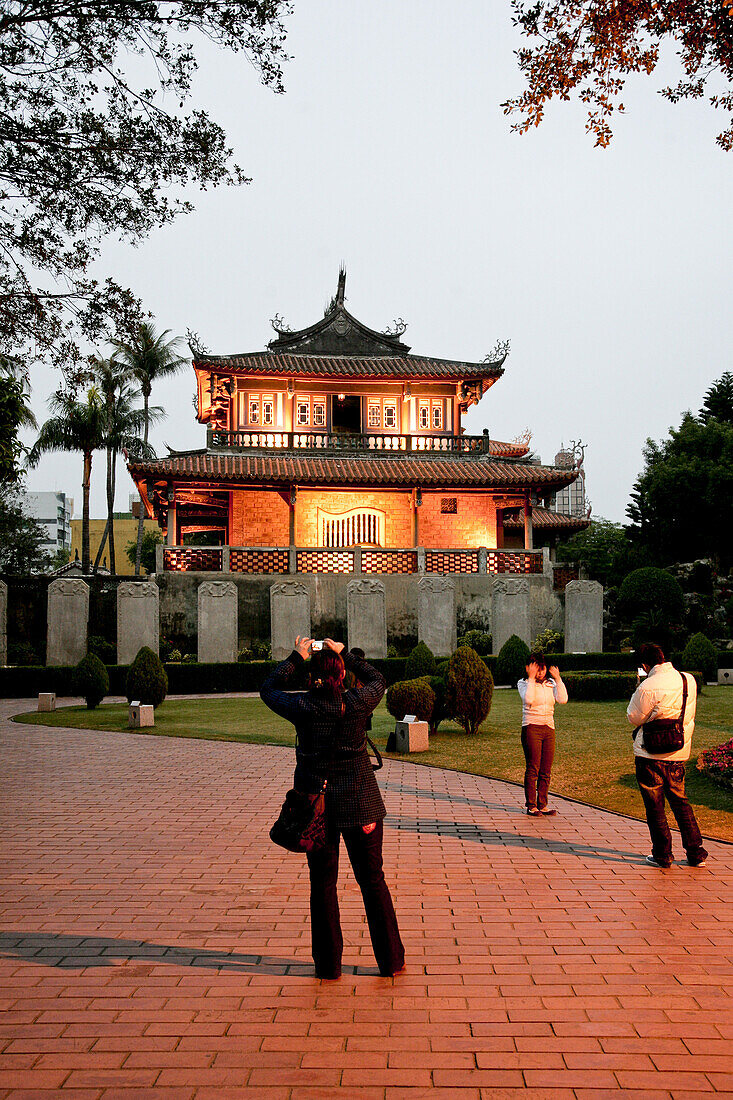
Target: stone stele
{"x": 436, "y": 614}
{"x": 218, "y": 630}
{"x": 290, "y": 616}
{"x": 137, "y": 619}
{"x": 510, "y": 610}
{"x": 68, "y": 621}
{"x": 3, "y": 623}
{"x": 583, "y": 617}
{"x": 366, "y": 617}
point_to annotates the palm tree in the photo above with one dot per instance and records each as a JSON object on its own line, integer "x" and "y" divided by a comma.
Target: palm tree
{"x": 148, "y": 356}
{"x": 76, "y": 426}
{"x": 123, "y": 426}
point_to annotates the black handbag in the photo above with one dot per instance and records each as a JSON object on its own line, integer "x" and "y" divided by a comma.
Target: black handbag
{"x": 301, "y": 826}
{"x": 666, "y": 734}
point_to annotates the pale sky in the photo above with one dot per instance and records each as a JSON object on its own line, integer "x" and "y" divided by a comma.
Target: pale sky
{"x": 607, "y": 269}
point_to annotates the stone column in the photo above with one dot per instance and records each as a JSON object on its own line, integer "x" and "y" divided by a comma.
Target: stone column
{"x": 68, "y": 621}
{"x": 583, "y": 617}
{"x": 527, "y": 524}
{"x": 218, "y": 629}
{"x": 436, "y": 614}
{"x": 510, "y": 610}
{"x": 138, "y": 621}
{"x": 3, "y": 623}
{"x": 366, "y": 616}
{"x": 290, "y": 616}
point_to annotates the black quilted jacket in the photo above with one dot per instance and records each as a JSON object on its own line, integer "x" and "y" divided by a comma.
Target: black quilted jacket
{"x": 332, "y": 745}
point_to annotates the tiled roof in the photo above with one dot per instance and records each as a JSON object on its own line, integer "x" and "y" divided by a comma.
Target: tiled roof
{"x": 507, "y": 450}
{"x": 347, "y": 366}
{"x": 549, "y": 520}
{"x": 310, "y": 469}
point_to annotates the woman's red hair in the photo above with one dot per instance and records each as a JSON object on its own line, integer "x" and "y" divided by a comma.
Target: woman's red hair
{"x": 327, "y": 670}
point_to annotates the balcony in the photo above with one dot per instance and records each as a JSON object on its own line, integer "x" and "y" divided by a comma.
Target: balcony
{"x": 419, "y": 560}
{"x": 354, "y": 443}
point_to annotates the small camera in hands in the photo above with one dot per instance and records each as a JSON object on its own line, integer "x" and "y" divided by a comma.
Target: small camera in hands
{"x": 316, "y": 646}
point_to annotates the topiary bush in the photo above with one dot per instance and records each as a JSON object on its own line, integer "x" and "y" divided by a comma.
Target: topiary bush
{"x": 91, "y": 680}
{"x": 439, "y": 685}
{"x": 411, "y": 697}
{"x": 147, "y": 680}
{"x": 700, "y": 653}
{"x": 478, "y": 640}
{"x": 511, "y": 664}
{"x": 420, "y": 662}
{"x": 470, "y": 688}
{"x": 652, "y": 591}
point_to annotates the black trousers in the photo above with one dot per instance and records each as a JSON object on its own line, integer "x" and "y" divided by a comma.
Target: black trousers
{"x": 538, "y": 743}
{"x": 657, "y": 779}
{"x": 365, "y": 853}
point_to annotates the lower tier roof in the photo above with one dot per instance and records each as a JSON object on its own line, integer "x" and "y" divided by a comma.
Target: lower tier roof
{"x": 310, "y": 469}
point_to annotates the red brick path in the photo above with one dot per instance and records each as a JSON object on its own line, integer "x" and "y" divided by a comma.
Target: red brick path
{"x": 155, "y": 944}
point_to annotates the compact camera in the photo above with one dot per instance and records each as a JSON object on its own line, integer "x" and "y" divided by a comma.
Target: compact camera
{"x": 316, "y": 646}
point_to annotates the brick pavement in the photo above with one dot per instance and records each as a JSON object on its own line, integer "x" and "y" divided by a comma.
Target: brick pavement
{"x": 155, "y": 944}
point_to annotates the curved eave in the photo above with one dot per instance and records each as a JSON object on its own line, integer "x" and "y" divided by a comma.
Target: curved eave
{"x": 414, "y": 368}
{"x": 282, "y": 470}
{"x": 289, "y": 339}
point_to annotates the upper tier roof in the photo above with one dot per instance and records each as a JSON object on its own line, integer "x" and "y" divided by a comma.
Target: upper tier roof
{"x": 339, "y": 345}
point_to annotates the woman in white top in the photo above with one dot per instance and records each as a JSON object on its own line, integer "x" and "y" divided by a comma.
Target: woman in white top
{"x": 540, "y": 690}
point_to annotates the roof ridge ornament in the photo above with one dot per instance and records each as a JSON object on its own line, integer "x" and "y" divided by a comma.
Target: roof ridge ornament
{"x": 341, "y": 289}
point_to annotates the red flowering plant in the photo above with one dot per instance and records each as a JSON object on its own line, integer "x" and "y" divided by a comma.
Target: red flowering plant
{"x": 717, "y": 764}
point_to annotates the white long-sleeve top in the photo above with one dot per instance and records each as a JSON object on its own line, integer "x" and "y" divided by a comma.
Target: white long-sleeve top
{"x": 538, "y": 701}
{"x": 660, "y": 696}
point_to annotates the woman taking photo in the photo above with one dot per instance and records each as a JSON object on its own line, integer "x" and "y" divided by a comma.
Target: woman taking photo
{"x": 540, "y": 690}
{"x": 331, "y": 744}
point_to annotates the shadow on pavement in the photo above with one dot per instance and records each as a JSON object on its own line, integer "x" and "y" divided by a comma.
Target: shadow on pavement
{"x": 78, "y": 952}
{"x": 479, "y": 835}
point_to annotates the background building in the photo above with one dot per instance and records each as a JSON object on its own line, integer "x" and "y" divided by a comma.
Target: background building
{"x": 53, "y": 511}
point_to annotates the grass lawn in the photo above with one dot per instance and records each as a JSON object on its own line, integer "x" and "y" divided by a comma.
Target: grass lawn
{"x": 593, "y": 759}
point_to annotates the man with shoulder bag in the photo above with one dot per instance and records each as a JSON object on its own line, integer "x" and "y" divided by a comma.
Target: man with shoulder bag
{"x": 662, "y": 710}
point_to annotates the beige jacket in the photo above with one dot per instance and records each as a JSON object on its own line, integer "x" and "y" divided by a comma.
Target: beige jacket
{"x": 660, "y": 696}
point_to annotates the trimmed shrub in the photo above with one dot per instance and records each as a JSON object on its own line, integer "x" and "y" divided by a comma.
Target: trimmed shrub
{"x": 652, "y": 591}
{"x": 600, "y": 686}
{"x": 470, "y": 688}
{"x": 420, "y": 662}
{"x": 411, "y": 697}
{"x": 511, "y": 664}
{"x": 439, "y": 685}
{"x": 147, "y": 680}
{"x": 91, "y": 680}
{"x": 478, "y": 640}
{"x": 700, "y": 653}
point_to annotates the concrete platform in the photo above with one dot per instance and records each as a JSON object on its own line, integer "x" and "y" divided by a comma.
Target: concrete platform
{"x": 155, "y": 943}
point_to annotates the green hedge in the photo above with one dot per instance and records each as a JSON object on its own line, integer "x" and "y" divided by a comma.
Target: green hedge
{"x": 26, "y": 681}
{"x": 607, "y": 685}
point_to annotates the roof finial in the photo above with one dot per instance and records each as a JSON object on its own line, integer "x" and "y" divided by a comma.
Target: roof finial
{"x": 341, "y": 292}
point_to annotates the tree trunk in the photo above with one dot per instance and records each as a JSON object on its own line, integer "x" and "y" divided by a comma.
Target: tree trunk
{"x": 141, "y": 520}
{"x": 101, "y": 546}
{"x": 85, "y": 555}
{"x": 111, "y": 471}
{"x": 108, "y": 529}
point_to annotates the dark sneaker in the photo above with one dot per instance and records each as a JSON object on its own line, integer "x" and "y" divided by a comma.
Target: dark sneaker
{"x": 697, "y": 862}
{"x": 534, "y": 812}
{"x": 658, "y": 863}
{"x": 548, "y": 813}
